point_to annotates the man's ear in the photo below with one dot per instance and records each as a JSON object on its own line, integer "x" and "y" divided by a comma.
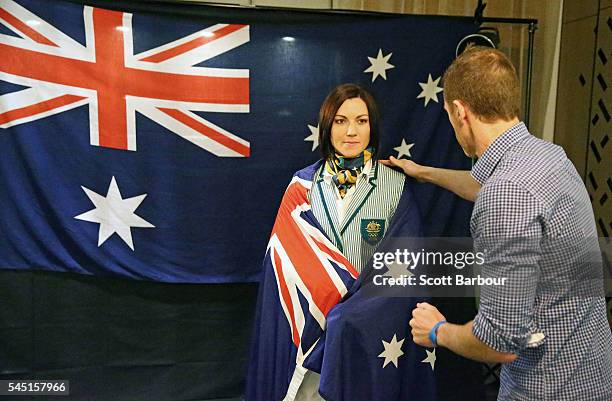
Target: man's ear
{"x": 460, "y": 110}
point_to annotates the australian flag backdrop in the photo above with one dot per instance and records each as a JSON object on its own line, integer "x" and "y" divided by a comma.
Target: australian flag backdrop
{"x": 156, "y": 142}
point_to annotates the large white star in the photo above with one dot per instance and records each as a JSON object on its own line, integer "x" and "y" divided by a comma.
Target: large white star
{"x": 431, "y": 358}
{"x": 379, "y": 65}
{"x": 393, "y": 350}
{"x": 403, "y": 149}
{"x": 114, "y": 214}
{"x": 313, "y": 137}
{"x": 430, "y": 90}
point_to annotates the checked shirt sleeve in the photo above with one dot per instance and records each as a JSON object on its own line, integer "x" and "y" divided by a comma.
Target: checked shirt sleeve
{"x": 507, "y": 226}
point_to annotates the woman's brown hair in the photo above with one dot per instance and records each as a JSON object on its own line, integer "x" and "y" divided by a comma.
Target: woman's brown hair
{"x": 330, "y": 107}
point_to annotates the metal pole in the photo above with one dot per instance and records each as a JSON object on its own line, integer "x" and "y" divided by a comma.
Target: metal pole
{"x": 532, "y": 29}
{"x": 510, "y": 20}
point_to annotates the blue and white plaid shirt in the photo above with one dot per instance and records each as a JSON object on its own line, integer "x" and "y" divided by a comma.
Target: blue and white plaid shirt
{"x": 534, "y": 218}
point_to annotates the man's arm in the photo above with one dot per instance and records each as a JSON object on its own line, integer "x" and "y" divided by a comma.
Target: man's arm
{"x": 456, "y": 337}
{"x": 461, "y": 340}
{"x": 509, "y": 231}
{"x": 459, "y": 182}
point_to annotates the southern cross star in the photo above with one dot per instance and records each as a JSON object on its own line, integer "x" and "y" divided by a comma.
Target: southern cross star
{"x": 403, "y": 149}
{"x": 393, "y": 350}
{"x": 431, "y": 358}
{"x": 379, "y": 65}
{"x": 430, "y": 90}
{"x": 313, "y": 137}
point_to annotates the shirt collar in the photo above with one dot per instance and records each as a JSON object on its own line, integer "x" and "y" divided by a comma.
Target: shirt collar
{"x": 367, "y": 170}
{"x": 486, "y": 164}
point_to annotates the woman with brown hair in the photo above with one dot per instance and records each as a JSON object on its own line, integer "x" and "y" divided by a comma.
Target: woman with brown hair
{"x": 355, "y": 197}
{"x": 333, "y": 217}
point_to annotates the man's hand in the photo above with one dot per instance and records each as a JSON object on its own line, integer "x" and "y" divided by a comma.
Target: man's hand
{"x": 424, "y": 318}
{"x": 409, "y": 167}
{"x": 457, "y": 338}
{"x": 459, "y": 182}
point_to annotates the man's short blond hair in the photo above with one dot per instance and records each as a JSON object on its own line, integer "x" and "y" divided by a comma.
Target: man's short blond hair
{"x": 486, "y": 81}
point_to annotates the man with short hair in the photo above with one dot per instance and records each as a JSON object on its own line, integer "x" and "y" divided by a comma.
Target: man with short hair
{"x": 555, "y": 344}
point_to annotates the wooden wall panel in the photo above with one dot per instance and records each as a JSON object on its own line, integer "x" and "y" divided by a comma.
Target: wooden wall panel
{"x": 573, "y": 10}
{"x": 574, "y": 91}
{"x": 599, "y": 146}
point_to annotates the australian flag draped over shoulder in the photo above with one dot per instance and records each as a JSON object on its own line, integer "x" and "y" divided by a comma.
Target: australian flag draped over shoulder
{"x": 312, "y": 314}
{"x": 153, "y": 141}
{"x": 305, "y": 275}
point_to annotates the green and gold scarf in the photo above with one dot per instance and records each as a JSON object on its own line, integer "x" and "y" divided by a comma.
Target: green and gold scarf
{"x": 344, "y": 171}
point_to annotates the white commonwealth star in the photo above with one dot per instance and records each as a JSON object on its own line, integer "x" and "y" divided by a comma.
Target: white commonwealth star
{"x": 431, "y": 358}
{"x": 114, "y": 214}
{"x": 403, "y": 149}
{"x": 393, "y": 350}
{"x": 313, "y": 137}
{"x": 430, "y": 90}
{"x": 379, "y": 65}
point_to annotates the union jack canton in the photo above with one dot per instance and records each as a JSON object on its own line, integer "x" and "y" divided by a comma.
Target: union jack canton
{"x": 161, "y": 83}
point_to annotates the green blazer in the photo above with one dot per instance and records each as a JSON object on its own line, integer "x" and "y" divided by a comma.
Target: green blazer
{"x": 368, "y": 215}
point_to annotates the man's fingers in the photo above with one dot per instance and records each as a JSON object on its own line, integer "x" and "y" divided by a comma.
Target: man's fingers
{"x": 426, "y": 306}
{"x": 395, "y": 162}
{"x": 392, "y": 161}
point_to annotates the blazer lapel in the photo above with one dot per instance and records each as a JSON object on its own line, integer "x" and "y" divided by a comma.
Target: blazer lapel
{"x": 360, "y": 196}
{"x": 327, "y": 202}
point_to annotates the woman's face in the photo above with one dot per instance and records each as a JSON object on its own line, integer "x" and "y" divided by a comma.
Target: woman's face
{"x": 350, "y": 133}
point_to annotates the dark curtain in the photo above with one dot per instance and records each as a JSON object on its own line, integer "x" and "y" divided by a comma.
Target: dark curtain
{"x": 118, "y": 339}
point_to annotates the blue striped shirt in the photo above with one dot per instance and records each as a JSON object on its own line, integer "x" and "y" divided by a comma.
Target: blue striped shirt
{"x": 534, "y": 220}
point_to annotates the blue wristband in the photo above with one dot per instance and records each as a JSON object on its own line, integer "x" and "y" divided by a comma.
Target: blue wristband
{"x": 433, "y": 333}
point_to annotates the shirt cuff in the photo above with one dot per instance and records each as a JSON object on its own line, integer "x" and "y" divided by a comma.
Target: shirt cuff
{"x": 475, "y": 176}
{"x": 484, "y": 331}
